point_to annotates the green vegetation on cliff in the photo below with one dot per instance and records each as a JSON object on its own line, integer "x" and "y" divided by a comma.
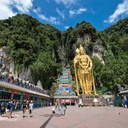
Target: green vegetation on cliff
{"x": 30, "y": 44}
{"x": 44, "y": 50}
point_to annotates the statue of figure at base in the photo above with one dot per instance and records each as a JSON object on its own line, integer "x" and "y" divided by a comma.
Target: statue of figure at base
{"x": 84, "y": 73}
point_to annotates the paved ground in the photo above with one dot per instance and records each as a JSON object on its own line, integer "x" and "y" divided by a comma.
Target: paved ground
{"x": 86, "y": 117}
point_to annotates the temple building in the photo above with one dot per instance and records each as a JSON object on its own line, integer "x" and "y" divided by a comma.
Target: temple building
{"x": 65, "y": 92}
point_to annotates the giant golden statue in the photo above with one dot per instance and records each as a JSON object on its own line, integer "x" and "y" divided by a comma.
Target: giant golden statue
{"x": 84, "y": 73}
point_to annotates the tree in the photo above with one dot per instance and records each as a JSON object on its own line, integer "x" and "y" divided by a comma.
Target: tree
{"x": 45, "y": 69}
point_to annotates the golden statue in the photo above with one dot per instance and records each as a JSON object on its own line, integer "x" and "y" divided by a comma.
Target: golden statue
{"x": 83, "y": 72}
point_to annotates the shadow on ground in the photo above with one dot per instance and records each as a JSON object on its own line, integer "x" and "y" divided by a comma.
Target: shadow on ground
{"x": 47, "y": 121}
{"x": 49, "y": 115}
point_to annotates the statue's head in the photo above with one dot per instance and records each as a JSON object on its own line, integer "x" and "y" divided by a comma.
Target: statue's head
{"x": 81, "y": 49}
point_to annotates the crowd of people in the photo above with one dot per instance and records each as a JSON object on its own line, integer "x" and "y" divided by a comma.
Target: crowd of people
{"x": 7, "y": 109}
{"x": 7, "y": 76}
{"x": 13, "y": 80}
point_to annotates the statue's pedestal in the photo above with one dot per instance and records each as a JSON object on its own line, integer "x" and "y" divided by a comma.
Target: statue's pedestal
{"x": 88, "y": 100}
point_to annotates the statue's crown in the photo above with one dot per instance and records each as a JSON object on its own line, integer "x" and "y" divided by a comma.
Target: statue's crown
{"x": 81, "y": 47}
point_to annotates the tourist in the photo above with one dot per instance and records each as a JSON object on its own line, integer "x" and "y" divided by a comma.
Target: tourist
{"x": 30, "y": 108}
{"x": 59, "y": 106}
{"x": 50, "y": 104}
{"x": 17, "y": 106}
{"x": 2, "y": 109}
{"x": 11, "y": 106}
{"x": 24, "y": 107}
{"x": 80, "y": 104}
{"x": 62, "y": 109}
{"x": 53, "y": 110}
{"x": 65, "y": 107}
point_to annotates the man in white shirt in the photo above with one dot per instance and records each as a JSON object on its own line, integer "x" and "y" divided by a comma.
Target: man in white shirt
{"x": 30, "y": 108}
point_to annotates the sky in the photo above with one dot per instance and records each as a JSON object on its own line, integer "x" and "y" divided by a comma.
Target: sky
{"x": 63, "y": 14}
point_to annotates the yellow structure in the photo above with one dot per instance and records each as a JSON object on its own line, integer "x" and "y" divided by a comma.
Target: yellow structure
{"x": 84, "y": 73}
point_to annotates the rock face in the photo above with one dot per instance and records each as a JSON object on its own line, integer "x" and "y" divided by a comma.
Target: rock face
{"x": 24, "y": 75}
{"x": 86, "y": 38}
{"x": 66, "y": 53}
{"x": 8, "y": 67}
{"x": 61, "y": 45}
{"x": 97, "y": 51}
{"x": 97, "y": 48}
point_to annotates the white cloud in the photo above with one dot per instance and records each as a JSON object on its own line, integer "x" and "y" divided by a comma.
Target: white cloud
{"x": 77, "y": 12}
{"x": 43, "y": 17}
{"x": 51, "y": 19}
{"x": 72, "y": 12}
{"x": 7, "y": 7}
{"x": 60, "y": 13}
{"x": 66, "y": 27}
{"x": 37, "y": 10}
{"x": 122, "y": 10}
{"x": 67, "y": 3}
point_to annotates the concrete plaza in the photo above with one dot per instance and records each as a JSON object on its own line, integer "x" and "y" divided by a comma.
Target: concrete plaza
{"x": 86, "y": 117}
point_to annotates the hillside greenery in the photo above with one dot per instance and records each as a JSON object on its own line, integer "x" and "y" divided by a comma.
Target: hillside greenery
{"x": 30, "y": 45}
{"x": 38, "y": 46}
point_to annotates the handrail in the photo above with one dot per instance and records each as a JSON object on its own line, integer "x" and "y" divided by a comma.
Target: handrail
{"x": 20, "y": 88}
